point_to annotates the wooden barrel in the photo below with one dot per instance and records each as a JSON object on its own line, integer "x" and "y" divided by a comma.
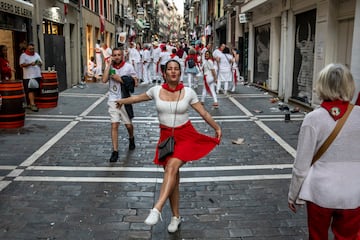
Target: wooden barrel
{"x": 12, "y": 111}
{"x": 49, "y": 90}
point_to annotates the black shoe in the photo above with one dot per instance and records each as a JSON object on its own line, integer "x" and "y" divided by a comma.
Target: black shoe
{"x": 131, "y": 143}
{"x": 114, "y": 156}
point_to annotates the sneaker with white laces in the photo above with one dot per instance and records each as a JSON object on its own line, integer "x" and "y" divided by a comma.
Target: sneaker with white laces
{"x": 153, "y": 217}
{"x": 174, "y": 224}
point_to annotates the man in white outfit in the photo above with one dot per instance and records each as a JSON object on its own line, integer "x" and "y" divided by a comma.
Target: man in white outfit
{"x": 146, "y": 65}
{"x": 156, "y": 56}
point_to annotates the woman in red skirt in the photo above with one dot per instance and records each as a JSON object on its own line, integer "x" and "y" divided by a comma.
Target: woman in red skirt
{"x": 172, "y": 101}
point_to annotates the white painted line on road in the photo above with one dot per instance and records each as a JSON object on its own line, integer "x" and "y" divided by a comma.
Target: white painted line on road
{"x": 48, "y": 119}
{"x": 271, "y": 133}
{"x": 277, "y": 138}
{"x": 4, "y": 184}
{"x": 35, "y": 156}
{"x": 15, "y": 173}
{"x": 241, "y": 107}
{"x": 186, "y": 168}
{"x": 7, "y": 167}
{"x": 92, "y": 106}
{"x": 51, "y": 116}
{"x": 30, "y": 160}
{"x": 151, "y": 180}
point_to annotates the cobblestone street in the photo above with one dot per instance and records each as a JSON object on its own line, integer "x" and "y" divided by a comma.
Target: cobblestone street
{"x": 57, "y": 181}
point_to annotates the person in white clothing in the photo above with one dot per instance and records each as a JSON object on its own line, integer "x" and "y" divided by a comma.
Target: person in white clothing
{"x": 122, "y": 79}
{"x": 146, "y": 65}
{"x": 235, "y": 69}
{"x": 172, "y": 102}
{"x": 30, "y": 61}
{"x": 163, "y": 59}
{"x": 135, "y": 59}
{"x": 210, "y": 79}
{"x": 216, "y": 56}
{"x": 156, "y": 65}
{"x": 330, "y": 187}
{"x": 139, "y": 63}
{"x": 224, "y": 71}
{"x": 106, "y": 51}
{"x": 98, "y": 58}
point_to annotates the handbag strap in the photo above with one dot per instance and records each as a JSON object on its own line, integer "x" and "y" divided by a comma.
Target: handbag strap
{"x": 333, "y": 135}
{"x": 173, "y": 128}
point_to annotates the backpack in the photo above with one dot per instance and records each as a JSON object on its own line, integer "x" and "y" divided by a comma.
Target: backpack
{"x": 191, "y": 63}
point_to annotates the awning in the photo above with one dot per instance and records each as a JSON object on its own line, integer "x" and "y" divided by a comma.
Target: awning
{"x": 17, "y": 7}
{"x": 252, "y": 4}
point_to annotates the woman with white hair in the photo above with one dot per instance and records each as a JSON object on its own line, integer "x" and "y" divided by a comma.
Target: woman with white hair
{"x": 327, "y": 180}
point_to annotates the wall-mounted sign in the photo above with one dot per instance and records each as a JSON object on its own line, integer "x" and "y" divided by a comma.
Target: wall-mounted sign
{"x": 54, "y": 14}
{"x": 20, "y": 8}
{"x": 244, "y": 17}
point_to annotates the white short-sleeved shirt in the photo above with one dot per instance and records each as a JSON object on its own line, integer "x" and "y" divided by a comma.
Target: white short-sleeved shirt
{"x": 114, "y": 86}
{"x": 208, "y": 65}
{"x": 146, "y": 55}
{"x": 30, "y": 71}
{"x": 156, "y": 54}
{"x": 164, "y": 57}
{"x": 166, "y": 109}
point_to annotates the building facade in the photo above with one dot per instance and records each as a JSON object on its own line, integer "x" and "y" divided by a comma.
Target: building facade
{"x": 284, "y": 44}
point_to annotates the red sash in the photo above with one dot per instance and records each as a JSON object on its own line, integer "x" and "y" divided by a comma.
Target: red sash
{"x": 207, "y": 86}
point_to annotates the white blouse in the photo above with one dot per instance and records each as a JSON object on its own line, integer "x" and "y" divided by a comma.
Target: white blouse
{"x": 166, "y": 109}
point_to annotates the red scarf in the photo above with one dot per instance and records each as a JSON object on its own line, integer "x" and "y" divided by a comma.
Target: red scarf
{"x": 336, "y": 108}
{"x": 207, "y": 86}
{"x": 27, "y": 52}
{"x": 172, "y": 55}
{"x": 118, "y": 66}
{"x": 235, "y": 77}
{"x": 178, "y": 87}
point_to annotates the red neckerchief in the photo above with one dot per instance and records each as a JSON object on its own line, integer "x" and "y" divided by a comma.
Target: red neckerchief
{"x": 27, "y": 52}
{"x": 358, "y": 100}
{"x": 172, "y": 55}
{"x": 178, "y": 87}
{"x": 118, "y": 66}
{"x": 336, "y": 108}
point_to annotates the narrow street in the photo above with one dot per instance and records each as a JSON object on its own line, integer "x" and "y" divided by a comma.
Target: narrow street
{"x": 57, "y": 182}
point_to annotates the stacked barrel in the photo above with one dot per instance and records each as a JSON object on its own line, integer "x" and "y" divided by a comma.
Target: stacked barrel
{"x": 49, "y": 90}
{"x": 12, "y": 102}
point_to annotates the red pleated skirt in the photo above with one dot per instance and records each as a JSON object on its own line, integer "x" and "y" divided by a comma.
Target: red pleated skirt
{"x": 190, "y": 145}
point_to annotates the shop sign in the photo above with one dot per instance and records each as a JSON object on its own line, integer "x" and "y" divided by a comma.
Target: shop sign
{"x": 17, "y": 7}
{"x": 53, "y": 14}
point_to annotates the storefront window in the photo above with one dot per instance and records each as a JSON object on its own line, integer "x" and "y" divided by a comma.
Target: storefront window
{"x": 52, "y": 28}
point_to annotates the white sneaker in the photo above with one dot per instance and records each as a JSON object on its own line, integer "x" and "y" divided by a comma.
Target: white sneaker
{"x": 174, "y": 224}
{"x": 153, "y": 217}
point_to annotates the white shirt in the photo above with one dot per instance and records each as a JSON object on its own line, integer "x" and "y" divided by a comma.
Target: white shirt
{"x": 225, "y": 62}
{"x": 166, "y": 109}
{"x": 156, "y": 54}
{"x": 30, "y": 71}
{"x": 146, "y": 56}
{"x": 114, "y": 86}
{"x": 106, "y": 52}
{"x": 333, "y": 181}
{"x": 208, "y": 65}
{"x": 134, "y": 55}
{"x": 164, "y": 57}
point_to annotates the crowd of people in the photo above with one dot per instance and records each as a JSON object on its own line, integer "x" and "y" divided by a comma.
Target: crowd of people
{"x": 218, "y": 72}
